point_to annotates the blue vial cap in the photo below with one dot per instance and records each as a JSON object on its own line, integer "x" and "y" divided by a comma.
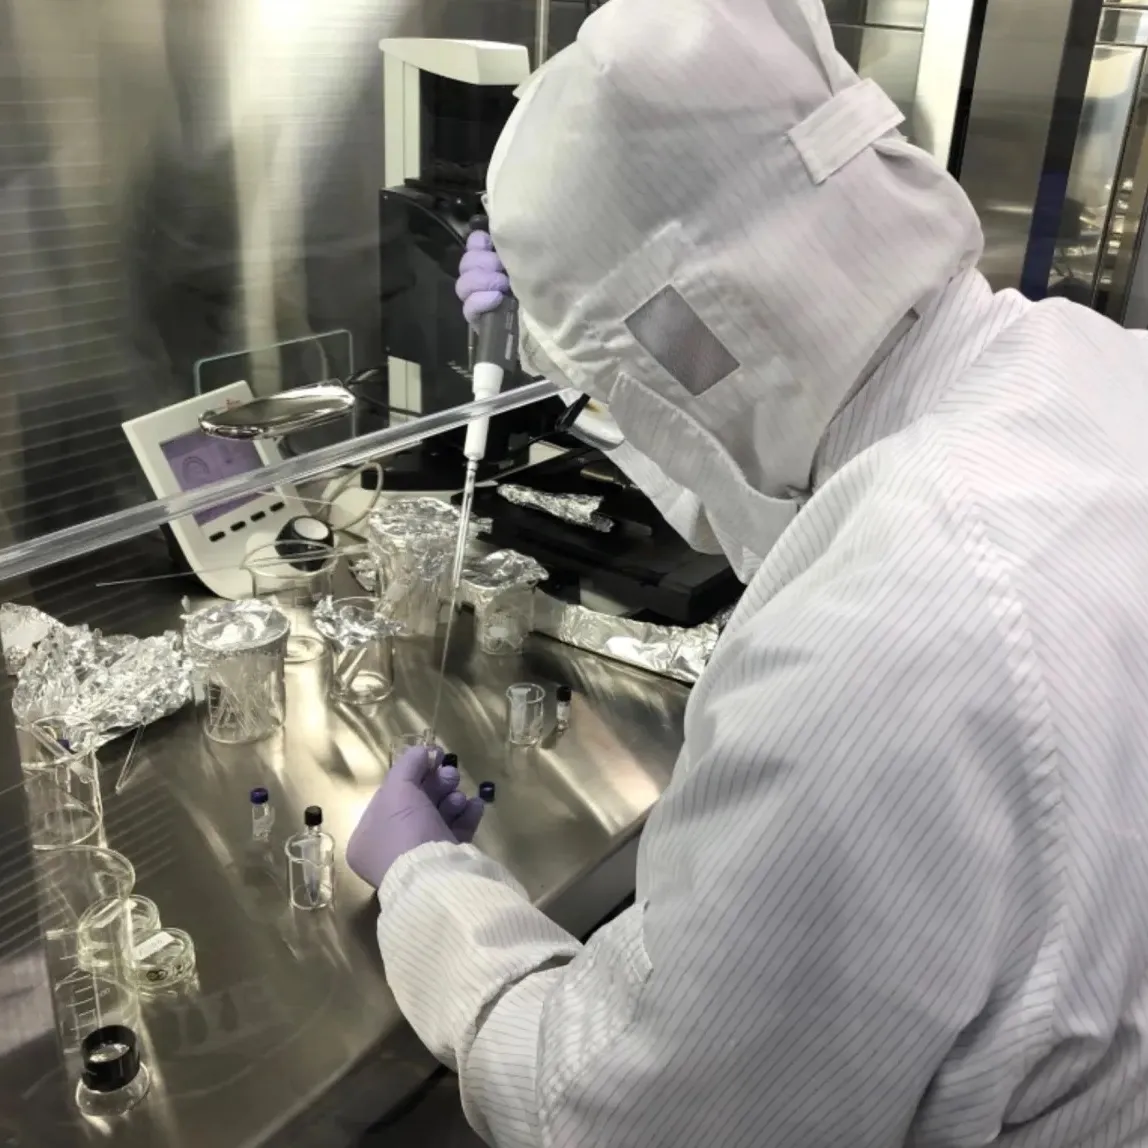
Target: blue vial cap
{"x": 259, "y": 796}
{"x": 486, "y": 791}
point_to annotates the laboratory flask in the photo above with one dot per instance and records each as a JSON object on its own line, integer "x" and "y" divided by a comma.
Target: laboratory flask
{"x": 61, "y": 783}
{"x": 86, "y": 912}
{"x": 237, "y": 650}
{"x": 293, "y": 576}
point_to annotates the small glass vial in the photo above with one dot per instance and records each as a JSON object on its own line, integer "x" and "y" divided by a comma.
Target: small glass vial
{"x": 113, "y": 1079}
{"x": 262, "y": 814}
{"x": 486, "y": 792}
{"x": 311, "y": 863}
{"x": 562, "y": 714}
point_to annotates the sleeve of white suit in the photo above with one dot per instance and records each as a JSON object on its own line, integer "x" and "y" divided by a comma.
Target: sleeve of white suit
{"x": 855, "y": 862}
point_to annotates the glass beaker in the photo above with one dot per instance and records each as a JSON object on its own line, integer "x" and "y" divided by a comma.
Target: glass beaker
{"x": 293, "y": 576}
{"x": 410, "y": 542}
{"x": 164, "y": 959}
{"x": 361, "y": 645}
{"x": 405, "y": 741}
{"x": 237, "y": 651}
{"x": 503, "y": 619}
{"x": 311, "y": 863}
{"x": 85, "y": 899}
{"x": 411, "y": 588}
{"x": 97, "y": 945}
{"x": 114, "y": 1079}
{"x": 61, "y": 783}
{"x": 525, "y": 711}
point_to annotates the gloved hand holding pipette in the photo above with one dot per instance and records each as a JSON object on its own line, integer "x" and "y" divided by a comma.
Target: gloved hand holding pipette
{"x": 482, "y": 284}
{"x": 418, "y": 803}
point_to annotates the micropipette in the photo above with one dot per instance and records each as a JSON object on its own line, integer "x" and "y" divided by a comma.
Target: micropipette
{"x": 495, "y": 352}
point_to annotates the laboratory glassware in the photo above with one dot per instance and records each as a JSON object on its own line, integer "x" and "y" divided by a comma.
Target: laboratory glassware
{"x": 362, "y": 652}
{"x": 86, "y": 911}
{"x": 237, "y": 650}
{"x": 113, "y": 1079}
{"x": 405, "y": 741}
{"x": 486, "y": 791}
{"x": 62, "y": 784}
{"x": 163, "y": 959}
{"x": 562, "y": 697}
{"x": 293, "y": 575}
{"x": 97, "y": 946}
{"x": 503, "y": 620}
{"x": 262, "y": 814}
{"x": 411, "y": 568}
{"x": 525, "y": 710}
{"x": 311, "y": 863}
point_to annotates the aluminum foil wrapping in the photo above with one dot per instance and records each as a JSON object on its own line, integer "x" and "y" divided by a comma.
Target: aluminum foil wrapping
{"x": 423, "y": 528}
{"x": 580, "y": 509}
{"x": 672, "y": 651}
{"x": 350, "y": 624}
{"x": 109, "y": 683}
{"x": 364, "y": 572}
{"x": 485, "y": 578}
{"x": 229, "y": 628}
{"x": 22, "y": 628}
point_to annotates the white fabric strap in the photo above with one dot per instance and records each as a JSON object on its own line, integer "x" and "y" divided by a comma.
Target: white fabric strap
{"x": 843, "y": 127}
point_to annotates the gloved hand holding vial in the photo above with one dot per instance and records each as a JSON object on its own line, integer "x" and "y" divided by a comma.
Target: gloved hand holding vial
{"x": 418, "y": 803}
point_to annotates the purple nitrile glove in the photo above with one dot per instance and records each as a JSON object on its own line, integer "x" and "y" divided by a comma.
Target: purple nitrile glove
{"x": 482, "y": 281}
{"x": 418, "y": 802}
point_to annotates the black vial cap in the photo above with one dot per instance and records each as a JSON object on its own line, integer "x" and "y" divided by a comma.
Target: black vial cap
{"x": 564, "y": 693}
{"x": 111, "y": 1058}
{"x": 450, "y": 759}
{"x": 486, "y": 792}
{"x": 260, "y": 796}
{"x": 312, "y": 816}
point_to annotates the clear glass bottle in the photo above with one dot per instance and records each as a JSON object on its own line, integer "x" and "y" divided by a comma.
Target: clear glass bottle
{"x": 311, "y": 863}
{"x": 262, "y": 814}
{"x": 113, "y": 1079}
{"x": 562, "y": 712}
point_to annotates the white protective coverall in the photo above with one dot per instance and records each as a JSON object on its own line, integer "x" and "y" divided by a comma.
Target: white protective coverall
{"x": 897, "y": 892}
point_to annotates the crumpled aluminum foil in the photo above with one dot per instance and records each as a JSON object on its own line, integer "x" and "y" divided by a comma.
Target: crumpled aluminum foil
{"x": 21, "y": 629}
{"x": 580, "y": 509}
{"x": 110, "y": 683}
{"x": 364, "y": 572}
{"x": 672, "y": 651}
{"x": 418, "y": 521}
{"x": 502, "y": 570}
{"x": 349, "y": 624}
{"x": 233, "y": 627}
{"x": 415, "y": 537}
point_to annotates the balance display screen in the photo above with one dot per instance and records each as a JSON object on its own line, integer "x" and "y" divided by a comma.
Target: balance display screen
{"x": 199, "y": 459}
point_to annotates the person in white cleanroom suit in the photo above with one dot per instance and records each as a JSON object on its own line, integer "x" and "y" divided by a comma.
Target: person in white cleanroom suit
{"x": 897, "y": 891}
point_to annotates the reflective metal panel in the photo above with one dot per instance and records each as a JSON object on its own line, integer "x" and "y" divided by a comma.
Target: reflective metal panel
{"x": 1096, "y": 204}
{"x": 916, "y": 52}
{"x": 1010, "y": 114}
{"x": 180, "y": 182}
{"x": 884, "y": 13}
{"x": 891, "y": 56}
{"x": 1120, "y": 289}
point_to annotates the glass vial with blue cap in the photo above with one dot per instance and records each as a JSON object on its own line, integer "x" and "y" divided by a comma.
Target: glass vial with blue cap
{"x": 311, "y": 863}
{"x": 262, "y": 814}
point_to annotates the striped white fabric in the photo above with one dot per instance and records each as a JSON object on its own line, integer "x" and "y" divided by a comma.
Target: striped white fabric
{"x": 897, "y": 892}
